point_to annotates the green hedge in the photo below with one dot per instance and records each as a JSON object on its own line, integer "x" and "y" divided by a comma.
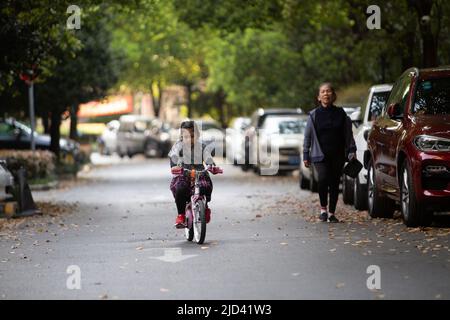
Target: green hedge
{"x": 39, "y": 165}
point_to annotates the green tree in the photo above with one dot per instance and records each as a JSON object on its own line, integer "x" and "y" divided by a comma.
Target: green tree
{"x": 80, "y": 77}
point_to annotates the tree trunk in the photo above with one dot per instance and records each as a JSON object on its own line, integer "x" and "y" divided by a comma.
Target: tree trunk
{"x": 156, "y": 101}
{"x": 220, "y": 103}
{"x": 55, "y": 133}
{"x": 73, "y": 122}
{"x": 429, "y": 40}
{"x": 46, "y": 123}
{"x": 188, "y": 99}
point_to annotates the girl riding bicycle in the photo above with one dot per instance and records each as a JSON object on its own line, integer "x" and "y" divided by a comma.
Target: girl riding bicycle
{"x": 190, "y": 153}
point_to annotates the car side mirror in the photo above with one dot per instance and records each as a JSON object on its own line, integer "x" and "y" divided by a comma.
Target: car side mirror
{"x": 393, "y": 111}
{"x": 366, "y": 134}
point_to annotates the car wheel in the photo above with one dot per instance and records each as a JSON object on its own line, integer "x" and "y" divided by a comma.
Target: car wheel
{"x": 151, "y": 150}
{"x": 120, "y": 152}
{"x": 379, "y": 207}
{"x": 347, "y": 190}
{"x": 414, "y": 213}
{"x": 359, "y": 195}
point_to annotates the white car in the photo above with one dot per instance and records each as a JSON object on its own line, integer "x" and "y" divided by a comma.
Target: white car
{"x": 235, "y": 136}
{"x": 6, "y": 182}
{"x": 374, "y": 103}
{"x": 108, "y": 139}
{"x": 211, "y": 132}
{"x": 288, "y": 131}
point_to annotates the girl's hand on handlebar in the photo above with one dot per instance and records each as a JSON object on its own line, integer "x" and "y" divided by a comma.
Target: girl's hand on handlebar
{"x": 176, "y": 170}
{"x": 215, "y": 170}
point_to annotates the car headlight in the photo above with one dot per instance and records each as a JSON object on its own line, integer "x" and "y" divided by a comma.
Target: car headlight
{"x": 431, "y": 143}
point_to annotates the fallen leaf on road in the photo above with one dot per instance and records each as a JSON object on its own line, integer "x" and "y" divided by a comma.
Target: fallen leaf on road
{"x": 103, "y": 297}
{"x": 340, "y": 285}
{"x": 283, "y": 243}
{"x": 164, "y": 290}
{"x": 139, "y": 248}
{"x": 333, "y": 250}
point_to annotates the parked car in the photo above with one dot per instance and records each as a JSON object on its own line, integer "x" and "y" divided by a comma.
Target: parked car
{"x": 108, "y": 140}
{"x": 235, "y": 140}
{"x": 212, "y": 132}
{"x": 6, "y": 182}
{"x": 142, "y": 135}
{"x": 252, "y": 140}
{"x": 290, "y": 130}
{"x": 354, "y": 191}
{"x": 16, "y": 135}
{"x": 408, "y": 156}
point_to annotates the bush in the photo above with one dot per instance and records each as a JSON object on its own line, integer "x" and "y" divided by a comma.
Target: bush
{"x": 39, "y": 165}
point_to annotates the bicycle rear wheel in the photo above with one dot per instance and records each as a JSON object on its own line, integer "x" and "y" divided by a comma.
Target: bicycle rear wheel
{"x": 199, "y": 223}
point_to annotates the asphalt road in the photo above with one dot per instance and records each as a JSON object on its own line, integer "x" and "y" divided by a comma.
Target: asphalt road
{"x": 116, "y": 225}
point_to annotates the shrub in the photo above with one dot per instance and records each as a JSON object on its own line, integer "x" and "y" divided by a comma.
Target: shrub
{"x": 38, "y": 165}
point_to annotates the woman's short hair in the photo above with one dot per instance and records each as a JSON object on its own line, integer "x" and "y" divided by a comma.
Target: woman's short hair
{"x": 329, "y": 85}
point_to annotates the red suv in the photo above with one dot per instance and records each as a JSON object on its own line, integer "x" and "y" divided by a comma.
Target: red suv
{"x": 408, "y": 156}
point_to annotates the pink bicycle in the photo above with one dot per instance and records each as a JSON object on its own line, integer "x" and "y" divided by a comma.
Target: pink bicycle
{"x": 195, "y": 209}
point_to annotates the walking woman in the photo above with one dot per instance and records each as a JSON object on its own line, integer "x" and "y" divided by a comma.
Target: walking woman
{"x": 327, "y": 146}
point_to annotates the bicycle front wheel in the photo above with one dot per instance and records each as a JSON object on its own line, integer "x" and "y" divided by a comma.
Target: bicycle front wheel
{"x": 199, "y": 223}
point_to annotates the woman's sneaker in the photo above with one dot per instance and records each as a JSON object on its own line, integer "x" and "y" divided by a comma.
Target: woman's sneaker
{"x": 333, "y": 219}
{"x": 324, "y": 217}
{"x": 180, "y": 222}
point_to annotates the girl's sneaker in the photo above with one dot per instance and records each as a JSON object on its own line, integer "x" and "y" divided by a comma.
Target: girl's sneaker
{"x": 180, "y": 222}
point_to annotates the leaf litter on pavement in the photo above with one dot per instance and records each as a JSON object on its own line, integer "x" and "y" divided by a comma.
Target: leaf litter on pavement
{"x": 358, "y": 229}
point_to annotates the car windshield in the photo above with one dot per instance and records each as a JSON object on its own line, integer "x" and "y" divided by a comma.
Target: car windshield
{"x": 209, "y": 125}
{"x": 377, "y": 104}
{"x": 283, "y": 125}
{"x": 433, "y": 97}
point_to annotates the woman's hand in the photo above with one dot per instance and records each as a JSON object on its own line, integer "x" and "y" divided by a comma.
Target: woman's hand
{"x": 307, "y": 163}
{"x": 176, "y": 170}
{"x": 215, "y": 170}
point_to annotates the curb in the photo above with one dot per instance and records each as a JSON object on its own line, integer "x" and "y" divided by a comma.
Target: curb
{"x": 44, "y": 187}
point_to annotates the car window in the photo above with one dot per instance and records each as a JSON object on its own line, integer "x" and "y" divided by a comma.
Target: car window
{"x": 283, "y": 125}
{"x": 141, "y": 126}
{"x": 432, "y": 97}
{"x": 377, "y": 104}
{"x": 209, "y": 125}
{"x": 6, "y": 130}
{"x": 126, "y": 126}
{"x": 400, "y": 92}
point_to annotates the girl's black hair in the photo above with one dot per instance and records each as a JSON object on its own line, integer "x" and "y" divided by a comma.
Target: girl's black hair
{"x": 190, "y": 125}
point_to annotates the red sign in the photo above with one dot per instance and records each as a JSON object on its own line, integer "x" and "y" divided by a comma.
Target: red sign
{"x": 112, "y": 106}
